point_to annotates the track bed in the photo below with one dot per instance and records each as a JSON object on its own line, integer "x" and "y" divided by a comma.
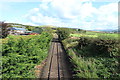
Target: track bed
{"x": 56, "y": 66}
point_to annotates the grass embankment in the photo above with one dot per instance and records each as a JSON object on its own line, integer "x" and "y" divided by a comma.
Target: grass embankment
{"x": 94, "y": 55}
{"x": 22, "y": 53}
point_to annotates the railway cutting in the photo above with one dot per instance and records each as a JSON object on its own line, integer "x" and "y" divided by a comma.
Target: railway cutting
{"x": 56, "y": 66}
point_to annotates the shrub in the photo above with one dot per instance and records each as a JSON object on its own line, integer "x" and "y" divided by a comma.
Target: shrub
{"x": 108, "y": 47}
{"x": 94, "y": 59}
{"x": 63, "y": 33}
{"x": 20, "y": 56}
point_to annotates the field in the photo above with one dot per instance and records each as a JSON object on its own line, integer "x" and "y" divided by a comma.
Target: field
{"x": 80, "y": 35}
{"x": 95, "y": 34}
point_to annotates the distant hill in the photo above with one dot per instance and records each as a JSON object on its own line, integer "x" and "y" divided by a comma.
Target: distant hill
{"x": 108, "y": 30}
{"x": 37, "y": 29}
{"x": 19, "y": 25}
{"x": 22, "y": 25}
{"x": 28, "y": 27}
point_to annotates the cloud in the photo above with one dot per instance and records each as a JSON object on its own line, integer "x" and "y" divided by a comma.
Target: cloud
{"x": 74, "y": 13}
{"x": 19, "y": 0}
{"x": 54, "y": 0}
{"x": 108, "y": 14}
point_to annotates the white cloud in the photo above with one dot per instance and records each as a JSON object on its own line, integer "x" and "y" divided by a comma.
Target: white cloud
{"x": 74, "y": 13}
{"x": 19, "y": 0}
{"x": 87, "y": 9}
{"x": 108, "y": 14}
{"x": 36, "y": 9}
{"x": 57, "y": 0}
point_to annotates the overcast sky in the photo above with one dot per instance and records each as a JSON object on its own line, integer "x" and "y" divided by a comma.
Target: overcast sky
{"x": 84, "y": 14}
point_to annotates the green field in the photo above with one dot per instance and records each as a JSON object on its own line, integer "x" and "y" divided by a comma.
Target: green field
{"x": 80, "y": 35}
{"x": 95, "y": 34}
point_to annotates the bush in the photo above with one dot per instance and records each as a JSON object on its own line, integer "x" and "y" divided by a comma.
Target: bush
{"x": 20, "y": 56}
{"x": 108, "y": 47}
{"x": 37, "y": 30}
{"x": 63, "y": 33}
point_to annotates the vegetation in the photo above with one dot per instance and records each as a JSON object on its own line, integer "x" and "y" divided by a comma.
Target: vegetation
{"x": 94, "y": 55}
{"x": 95, "y": 34}
{"x": 3, "y": 29}
{"x": 81, "y": 31}
{"x": 104, "y": 47}
{"x": 63, "y": 33}
{"x": 80, "y": 35}
{"x": 20, "y": 56}
{"x": 38, "y": 30}
{"x": 15, "y": 38}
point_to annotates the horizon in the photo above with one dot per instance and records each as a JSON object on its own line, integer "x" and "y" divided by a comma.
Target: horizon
{"x": 66, "y": 27}
{"x": 75, "y": 14}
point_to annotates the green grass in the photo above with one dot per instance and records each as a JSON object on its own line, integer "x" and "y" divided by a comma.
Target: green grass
{"x": 115, "y": 35}
{"x": 80, "y": 35}
{"x": 96, "y": 34}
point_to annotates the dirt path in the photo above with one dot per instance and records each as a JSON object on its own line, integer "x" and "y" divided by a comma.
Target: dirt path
{"x": 56, "y": 66}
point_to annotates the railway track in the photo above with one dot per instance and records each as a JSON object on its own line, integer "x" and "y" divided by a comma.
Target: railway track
{"x": 56, "y": 66}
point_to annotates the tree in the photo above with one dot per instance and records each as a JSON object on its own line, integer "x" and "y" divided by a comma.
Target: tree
{"x": 3, "y": 29}
{"x": 63, "y": 33}
{"x": 79, "y": 30}
{"x": 30, "y": 28}
{"x": 38, "y": 30}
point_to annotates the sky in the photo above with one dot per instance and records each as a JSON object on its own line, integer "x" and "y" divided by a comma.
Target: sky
{"x": 83, "y": 14}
